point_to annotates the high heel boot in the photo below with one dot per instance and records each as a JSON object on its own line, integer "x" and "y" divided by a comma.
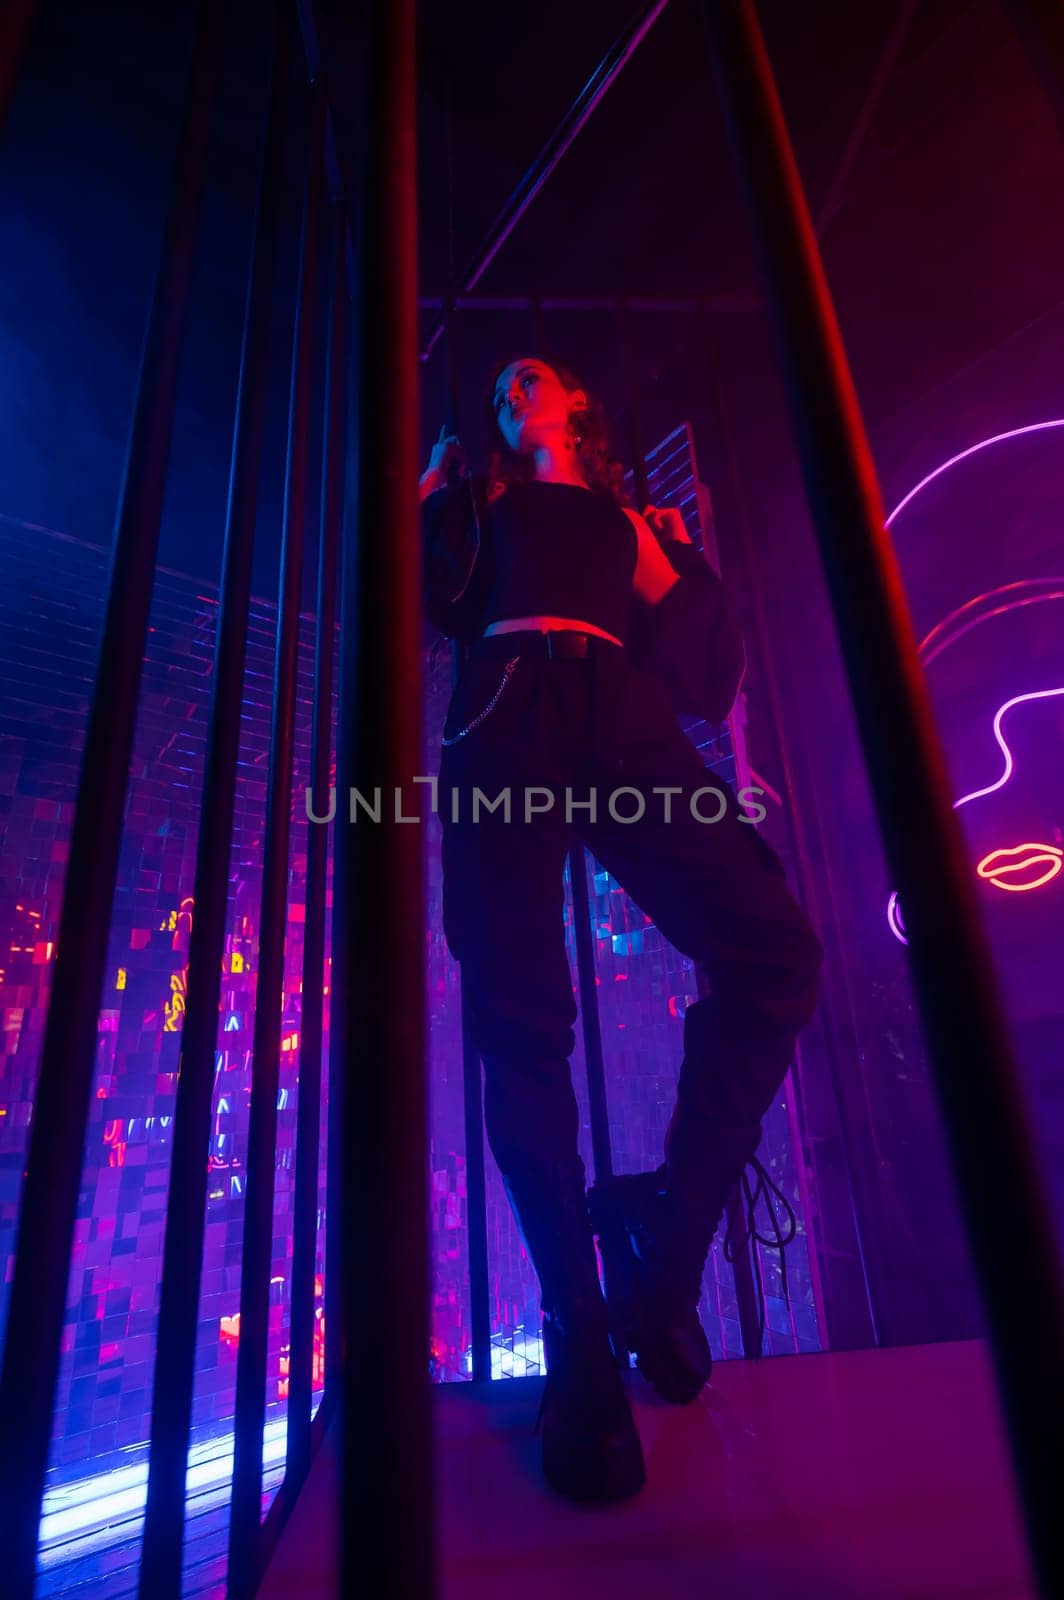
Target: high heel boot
{"x": 654, "y": 1251}
{"x": 591, "y": 1448}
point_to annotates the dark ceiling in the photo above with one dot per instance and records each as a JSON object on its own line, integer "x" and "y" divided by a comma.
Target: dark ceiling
{"x": 944, "y": 246}
{"x": 644, "y": 202}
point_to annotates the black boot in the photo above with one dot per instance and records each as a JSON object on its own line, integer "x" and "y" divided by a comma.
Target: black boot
{"x": 591, "y": 1449}
{"x": 654, "y": 1239}
{"x": 654, "y": 1251}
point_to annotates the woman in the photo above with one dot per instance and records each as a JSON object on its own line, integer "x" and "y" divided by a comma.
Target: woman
{"x": 590, "y": 626}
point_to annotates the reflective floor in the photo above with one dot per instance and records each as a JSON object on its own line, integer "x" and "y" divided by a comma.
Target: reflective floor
{"x": 864, "y": 1475}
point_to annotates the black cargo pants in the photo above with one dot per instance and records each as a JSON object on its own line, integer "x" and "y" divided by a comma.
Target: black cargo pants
{"x": 553, "y": 732}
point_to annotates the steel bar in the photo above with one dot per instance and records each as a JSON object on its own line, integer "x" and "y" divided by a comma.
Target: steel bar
{"x": 633, "y": 410}
{"x": 539, "y": 332}
{"x": 289, "y": 1490}
{"x": 476, "y": 1203}
{"x": 472, "y": 1081}
{"x": 333, "y": 468}
{"x": 987, "y": 1126}
{"x": 386, "y": 1434}
{"x": 308, "y": 1112}
{"x": 589, "y": 1014}
{"x": 256, "y": 1255}
{"x": 866, "y": 1327}
{"x": 57, "y": 1137}
{"x": 741, "y": 1251}
{"x": 740, "y": 300}
{"x": 592, "y": 93}
{"x": 160, "y": 1577}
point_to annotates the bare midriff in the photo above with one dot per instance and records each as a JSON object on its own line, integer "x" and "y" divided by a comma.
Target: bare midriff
{"x": 544, "y": 624}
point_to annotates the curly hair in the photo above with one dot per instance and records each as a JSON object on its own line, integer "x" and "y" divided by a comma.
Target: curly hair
{"x": 602, "y": 470}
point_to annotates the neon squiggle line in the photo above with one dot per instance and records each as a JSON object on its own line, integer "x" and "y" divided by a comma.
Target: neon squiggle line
{"x": 999, "y": 717}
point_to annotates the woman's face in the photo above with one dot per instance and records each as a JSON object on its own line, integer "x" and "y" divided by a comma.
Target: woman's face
{"x": 532, "y": 405}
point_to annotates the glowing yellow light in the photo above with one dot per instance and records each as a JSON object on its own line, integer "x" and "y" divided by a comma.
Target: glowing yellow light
{"x": 120, "y": 981}
{"x": 237, "y": 962}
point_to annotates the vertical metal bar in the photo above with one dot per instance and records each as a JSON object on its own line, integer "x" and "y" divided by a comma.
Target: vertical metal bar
{"x": 245, "y": 1514}
{"x": 740, "y": 1250}
{"x": 386, "y": 1437}
{"x": 539, "y": 332}
{"x": 472, "y": 1084}
{"x": 476, "y": 1203}
{"x": 54, "y": 1161}
{"x": 777, "y": 722}
{"x": 450, "y": 322}
{"x": 160, "y": 1576}
{"x": 589, "y": 1014}
{"x": 995, "y": 1156}
{"x": 15, "y": 19}
{"x": 308, "y": 1113}
{"x": 337, "y": 514}
{"x": 591, "y": 1030}
{"x": 632, "y": 407}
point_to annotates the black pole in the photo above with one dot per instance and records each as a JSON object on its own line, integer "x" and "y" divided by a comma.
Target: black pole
{"x": 589, "y": 1014}
{"x": 740, "y": 1250}
{"x": 539, "y": 332}
{"x": 632, "y": 407}
{"x": 1012, "y": 1242}
{"x": 386, "y": 1436}
{"x": 742, "y": 299}
{"x": 160, "y": 1576}
{"x": 245, "y": 1514}
{"x": 868, "y": 1325}
{"x": 601, "y": 1152}
{"x": 308, "y": 1112}
{"x": 61, "y": 1110}
{"x": 333, "y": 516}
{"x": 476, "y": 1203}
{"x": 472, "y": 1085}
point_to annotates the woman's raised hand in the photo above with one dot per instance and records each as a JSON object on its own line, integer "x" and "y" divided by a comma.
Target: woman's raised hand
{"x": 447, "y": 449}
{"x": 666, "y": 524}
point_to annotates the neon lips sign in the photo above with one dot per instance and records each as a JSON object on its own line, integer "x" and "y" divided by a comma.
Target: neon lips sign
{"x": 1016, "y": 868}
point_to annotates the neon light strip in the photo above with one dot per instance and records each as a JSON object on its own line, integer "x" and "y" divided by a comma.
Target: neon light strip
{"x": 1019, "y": 699}
{"x": 90, "y": 1504}
{"x": 939, "y": 640}
{"x": 972, "y": 450}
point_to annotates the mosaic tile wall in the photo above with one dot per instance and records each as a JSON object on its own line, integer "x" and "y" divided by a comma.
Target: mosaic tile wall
{"x": 50, "y": 612}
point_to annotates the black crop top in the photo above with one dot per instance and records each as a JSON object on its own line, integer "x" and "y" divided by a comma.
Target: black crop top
{"x": 555, "y": 549}
{"x": 562, "y": 551}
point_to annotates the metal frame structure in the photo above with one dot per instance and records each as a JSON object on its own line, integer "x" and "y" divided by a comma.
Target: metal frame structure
{"x": 377, "y": 1118}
